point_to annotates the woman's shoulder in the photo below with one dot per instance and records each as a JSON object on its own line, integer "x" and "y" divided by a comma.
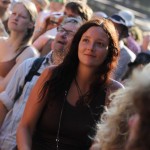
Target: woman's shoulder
{"x": 51, "y": 68}
{"x": 31, "y": 51}
{"x": 27, "y": 52}
{"x": 46, "y": 74}
{"x": 114, "y": 85}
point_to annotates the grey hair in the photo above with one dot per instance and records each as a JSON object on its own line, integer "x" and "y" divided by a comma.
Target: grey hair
{"x": 74, "y": 20}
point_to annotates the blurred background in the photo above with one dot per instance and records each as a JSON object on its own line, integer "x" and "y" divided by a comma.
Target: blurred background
{"x": 140, "y": 8}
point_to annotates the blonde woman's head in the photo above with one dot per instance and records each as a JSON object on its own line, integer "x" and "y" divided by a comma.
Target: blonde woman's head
{"x": 113, "y": 130}
{"x": 28, "y": 15}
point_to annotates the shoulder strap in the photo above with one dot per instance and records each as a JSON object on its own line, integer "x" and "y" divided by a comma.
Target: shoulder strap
{"x": 34, "y": 69}
{"x": 32, "y": 72}
{"x": 22, "y": 49}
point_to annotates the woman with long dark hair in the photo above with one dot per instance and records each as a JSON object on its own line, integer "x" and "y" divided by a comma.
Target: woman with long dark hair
{"x": 64, "y": 106}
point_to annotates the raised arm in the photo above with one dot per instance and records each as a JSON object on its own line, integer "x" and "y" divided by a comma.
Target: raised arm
{"x": 31, "y": 114}
{"x": 44, "y": 24}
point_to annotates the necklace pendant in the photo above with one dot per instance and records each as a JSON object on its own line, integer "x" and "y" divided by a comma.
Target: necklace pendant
{"x": 57, "y": 140}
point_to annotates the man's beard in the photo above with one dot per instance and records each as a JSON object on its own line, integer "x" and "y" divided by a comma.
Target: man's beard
{"x": 58, "y": 56}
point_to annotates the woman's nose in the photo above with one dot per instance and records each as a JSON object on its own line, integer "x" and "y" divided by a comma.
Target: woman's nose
{"x": 16, "y": 17}
{"x": 90, "y": 46}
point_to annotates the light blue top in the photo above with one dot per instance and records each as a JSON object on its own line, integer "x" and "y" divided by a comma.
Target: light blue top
{"x": 15, "y": 109}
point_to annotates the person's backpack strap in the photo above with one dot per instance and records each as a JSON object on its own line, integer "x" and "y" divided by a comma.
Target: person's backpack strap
{"x": 34, "y": 69}
{"x": 32, "y": 72}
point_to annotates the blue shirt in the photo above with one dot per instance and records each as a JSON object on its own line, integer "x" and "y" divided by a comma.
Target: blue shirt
{"x": 16, "y": 108}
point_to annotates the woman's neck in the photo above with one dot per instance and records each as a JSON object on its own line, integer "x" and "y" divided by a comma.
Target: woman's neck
{"x": 85, "y": 76}
{"x": 15, "y": 41}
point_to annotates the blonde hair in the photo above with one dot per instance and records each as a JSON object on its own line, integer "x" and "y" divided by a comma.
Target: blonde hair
{"x": 112, "y": 131}
{"x": 31, "y": 8}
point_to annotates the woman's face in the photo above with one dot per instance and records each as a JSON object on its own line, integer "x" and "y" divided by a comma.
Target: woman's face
{"x": 93, "y": 47}
{"x": 19, "y": 19}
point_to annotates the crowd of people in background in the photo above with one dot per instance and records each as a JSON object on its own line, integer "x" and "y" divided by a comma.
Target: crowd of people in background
{"x": 72, "y": 78}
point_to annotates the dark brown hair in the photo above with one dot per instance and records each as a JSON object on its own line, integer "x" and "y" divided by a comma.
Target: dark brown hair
{"x": 64, "y": 74}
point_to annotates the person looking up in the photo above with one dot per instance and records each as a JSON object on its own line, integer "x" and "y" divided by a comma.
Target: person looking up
{"x": 72, "y": 94}
{"x": 16, "y": 48}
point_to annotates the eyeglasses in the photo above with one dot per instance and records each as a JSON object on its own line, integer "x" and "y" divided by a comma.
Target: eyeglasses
{"x": 69, "y": 33}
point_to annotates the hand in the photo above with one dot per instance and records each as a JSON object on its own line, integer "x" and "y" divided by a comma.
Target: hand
{"x": 54, "y": 20}
{"x": 47, "y": 20}
{"x": 42, "y": 19}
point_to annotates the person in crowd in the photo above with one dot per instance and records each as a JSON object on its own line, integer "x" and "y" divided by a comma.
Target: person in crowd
{"x": 44, "y": 36}
{"x": 74, "y": 9}
{"x": 5, "y": 12}
{"x": 112, "y": 130}
{"x": 99, "y": 14}
{"x": 16, "y": 48}
{"x": 126, "y": 55}
{"x": 41, "y": 5}
{"x": 141, "y": 60}
{"x": 130, "y": 42}
{"x": 45, "y": 31}
{"x": 11, "y": 108}
{"x": 139, "y": 123}
{"x": 70, "y": 97}
{"x": 56, "y": 10}
{"x": 57, "y": 5}
{"x": 136, "y": 34}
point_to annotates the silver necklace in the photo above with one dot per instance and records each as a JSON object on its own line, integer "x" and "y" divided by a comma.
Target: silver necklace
{"x": 60, "y": 118}
{"x": 81, "y": 96}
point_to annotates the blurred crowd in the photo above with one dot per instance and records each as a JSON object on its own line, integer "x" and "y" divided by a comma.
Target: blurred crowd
{"x": 72, "y": 78}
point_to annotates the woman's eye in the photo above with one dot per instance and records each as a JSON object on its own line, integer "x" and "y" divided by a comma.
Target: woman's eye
{"x": 85, "y": 40}
{"x": 100, "y": 44}
{"x": 24, "y": 17}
